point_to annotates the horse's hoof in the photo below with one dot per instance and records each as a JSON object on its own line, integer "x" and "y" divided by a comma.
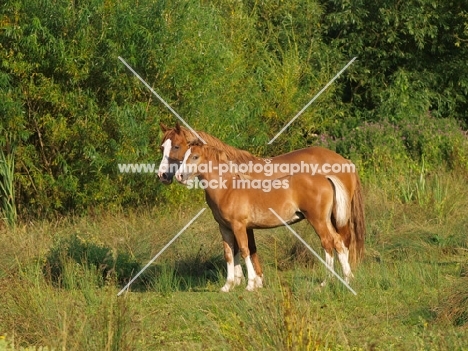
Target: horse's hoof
{"x": 251, "y": 285}
{"x": 225, "y": 288}
{"x": 258, "y": 282}
{"x": 238, "y": 280}
{"x": 255, "y": 283}
{"x": 228, "y": 286}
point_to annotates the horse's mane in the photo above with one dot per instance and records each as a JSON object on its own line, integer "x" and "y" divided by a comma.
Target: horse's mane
{"x": 233, "y": 154}
{"x": 212, "y": 152}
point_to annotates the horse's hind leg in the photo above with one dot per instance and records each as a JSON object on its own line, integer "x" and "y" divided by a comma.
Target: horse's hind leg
{"x": 340, "y": 227}
{"x": 327, "y": 243}
{"x": 329, "y": 259}
{"x": 331, "y": 240}
{"x": 343, "y": 255}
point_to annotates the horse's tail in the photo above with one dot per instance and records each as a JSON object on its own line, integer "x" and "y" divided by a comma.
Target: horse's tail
{"x": 357, "y": 225}
{"x": 342, "y": 203}
{"x": 349, "y": 217}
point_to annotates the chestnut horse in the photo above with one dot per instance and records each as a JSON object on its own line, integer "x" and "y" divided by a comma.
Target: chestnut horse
{"x": 175, "y": 143}
{"x": 239, "y": 207}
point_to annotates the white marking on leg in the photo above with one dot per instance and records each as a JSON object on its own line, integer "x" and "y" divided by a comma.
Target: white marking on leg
{"x": 251, "y": 274}
{"x": 344, "y": 260}
{"x": 329, "y": 260}
{"x": 230, "y": 277}
{"x": 259, "y": 281}
{"x": 238, "y": 273}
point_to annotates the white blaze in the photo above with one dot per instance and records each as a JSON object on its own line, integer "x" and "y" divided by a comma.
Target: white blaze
{"x": 183, "y": 167}
{"x": 164, "y": 165}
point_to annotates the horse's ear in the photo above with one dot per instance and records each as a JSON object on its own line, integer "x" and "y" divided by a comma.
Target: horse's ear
{"x": 223, "y": 157}
{"x": 189, "y": 136}
{"x": 177, "y": 127}
{"x": 164, "y": 128}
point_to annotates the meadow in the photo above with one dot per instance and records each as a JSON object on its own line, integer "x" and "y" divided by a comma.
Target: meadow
{"x": 59, "y": 281}
{"x": 74, "y": 230}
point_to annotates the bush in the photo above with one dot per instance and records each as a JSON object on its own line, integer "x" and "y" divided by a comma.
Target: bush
{"x": 238, "y": 70}
{"x": 403, "y": 147}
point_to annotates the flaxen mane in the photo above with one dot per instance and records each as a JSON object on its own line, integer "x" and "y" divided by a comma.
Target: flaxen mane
{"x": 235, "y": 155}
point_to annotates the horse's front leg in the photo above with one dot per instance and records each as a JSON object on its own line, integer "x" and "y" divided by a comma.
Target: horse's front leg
{"x": 240, "y": 233}
{"x": 228, "y": 243}
{"x": 255, "y": 259}
{"x": 238, "y": 273}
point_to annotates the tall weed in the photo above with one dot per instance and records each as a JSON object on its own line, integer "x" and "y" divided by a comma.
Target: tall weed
{"x": 7, "y": 189}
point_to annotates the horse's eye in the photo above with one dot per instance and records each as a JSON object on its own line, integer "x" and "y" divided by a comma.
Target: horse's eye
{"x": 195, "y": 157}
{"x": 177, "y": 147}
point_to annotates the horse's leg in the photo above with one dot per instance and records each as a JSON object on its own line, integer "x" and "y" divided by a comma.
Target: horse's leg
{"x": 330, "y": 262}
{"x": 228, "y": 243}
{"x": 238, "y": 273}
{"x": 345, "y": 234}
{"x": 240, "y": 233}
{"x": 254, "y": 257}
{"x": 343, "y": 255}
{"x": 331, "y": 240}
{"x": 340, "y": 228}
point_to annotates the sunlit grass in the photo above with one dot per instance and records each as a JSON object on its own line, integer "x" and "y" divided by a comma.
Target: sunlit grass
{"x": 410, "y": 285}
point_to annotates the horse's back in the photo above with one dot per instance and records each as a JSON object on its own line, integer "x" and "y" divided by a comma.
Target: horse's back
{"x": 312, "y": 155}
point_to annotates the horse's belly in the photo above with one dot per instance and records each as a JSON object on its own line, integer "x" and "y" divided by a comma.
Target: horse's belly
{"x": 268, "y": 217}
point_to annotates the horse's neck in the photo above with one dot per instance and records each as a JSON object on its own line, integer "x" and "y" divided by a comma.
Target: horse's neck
{"x": 217, "y": 184}
{"x": 233, "y": 154}
{"x": 214, "y": 188}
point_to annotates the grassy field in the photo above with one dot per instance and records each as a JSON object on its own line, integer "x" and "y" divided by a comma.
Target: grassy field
{"x": 59, "y": 281}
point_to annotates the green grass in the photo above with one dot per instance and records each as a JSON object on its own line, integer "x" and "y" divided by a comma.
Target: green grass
{"x": 7, "y": 192}
{"x": 411, "y": 286}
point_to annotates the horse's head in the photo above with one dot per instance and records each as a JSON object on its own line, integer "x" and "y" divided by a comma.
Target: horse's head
{"x": 188, "y": 169}
{"x": 173, "y": 146}
{"x": 197, "y": 159}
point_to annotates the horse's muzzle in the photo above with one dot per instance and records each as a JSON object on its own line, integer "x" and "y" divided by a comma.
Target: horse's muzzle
{"x": 182, "y": 178}
{"x": 166, "y": 178}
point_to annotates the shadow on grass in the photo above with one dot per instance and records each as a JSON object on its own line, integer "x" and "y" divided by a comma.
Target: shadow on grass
{"x": 73, "y": 263}
{"x": 189, "y": 274}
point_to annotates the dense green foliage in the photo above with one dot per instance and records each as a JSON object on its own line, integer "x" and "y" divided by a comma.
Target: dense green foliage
{"x": 237, "y": 69}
